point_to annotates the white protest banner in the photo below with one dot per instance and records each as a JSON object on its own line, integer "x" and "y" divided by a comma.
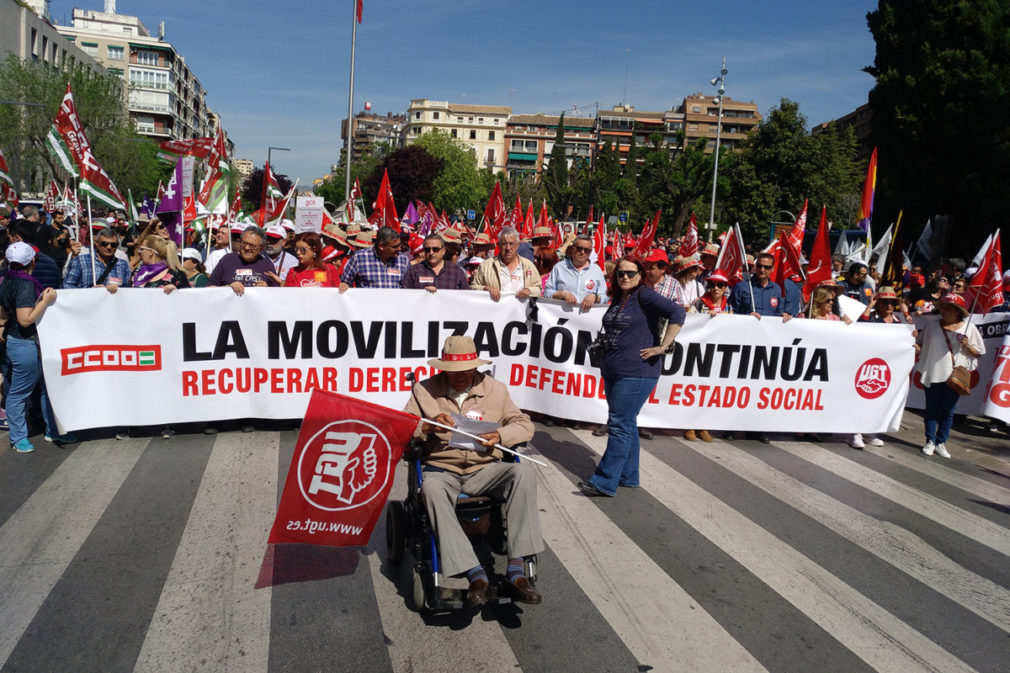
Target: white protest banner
{"x": 207, "y": 354}
{"x": 994, "y": 327}
{"x": 309, "y": 214}
{"x": 997, "y": 393}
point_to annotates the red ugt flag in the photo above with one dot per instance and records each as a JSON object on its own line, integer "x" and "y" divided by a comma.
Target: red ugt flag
{"x": 341, "y": 471}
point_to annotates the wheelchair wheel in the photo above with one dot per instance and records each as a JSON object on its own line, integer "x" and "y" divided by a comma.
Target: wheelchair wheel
{"x": 420, "y": 593}
{"x": 396, "y": 529}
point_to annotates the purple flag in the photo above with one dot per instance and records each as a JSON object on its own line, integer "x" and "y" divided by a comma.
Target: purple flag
{"x": 427, "y": 222}
{"x": 147, "y": 207}
{"x": 171, "y": 205}
{"x": 410, "y": 216}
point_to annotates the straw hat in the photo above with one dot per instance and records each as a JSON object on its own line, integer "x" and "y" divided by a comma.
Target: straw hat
{"x": 459, "y": 354}
{"x": 362, "y": 240}
{"x": 451, "y": 236}
{"x": 482, "y": 239}
{"x": 711, "y": 249}
{"x": 685, "y": 263}
{"x": 886, "y": 292}
{"x": 542, "y": 232}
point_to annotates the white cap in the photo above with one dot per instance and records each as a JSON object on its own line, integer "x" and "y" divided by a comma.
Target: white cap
{"x": 20, "y": 252}
{"x": 475, "y": 260}
{"x": 110, "y": 219}
{"x": 191, "y": 253}
{"x": 288, "y": 224}
{"x": 238, "y": 227}
{"x": 276, "y": 231}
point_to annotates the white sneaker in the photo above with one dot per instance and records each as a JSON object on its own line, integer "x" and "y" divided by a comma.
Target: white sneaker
{"x": 875, "y": 441}
{"x": 856, "y": 441}
{"x": 928, "y": 449}
{"x": 941, "y": 450}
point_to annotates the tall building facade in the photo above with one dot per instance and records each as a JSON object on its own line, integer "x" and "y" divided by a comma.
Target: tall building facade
{"x": 26, "y": 31}
{"x": 165, "y": 99}
{"x": 479, "y": 127}
{"x": 371, "y": 129}
{"x": 701, "y": 119}
{"x": 530, "y": 139}
{"x": 619, "y": 123}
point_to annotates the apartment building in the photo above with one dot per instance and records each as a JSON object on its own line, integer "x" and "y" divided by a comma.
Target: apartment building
{"x": 26, "y": 31}
{"x": 370, "y": 129}
{"x": 529, "y": 139}
{"x": 479, "y": 127}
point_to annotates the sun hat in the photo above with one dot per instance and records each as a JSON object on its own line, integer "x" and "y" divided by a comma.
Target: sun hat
{"x": 459, "y": 354}
{"x": 451, "y": 236}
{"x": 886, "y": 292}
{"x": 685, "y": 263}
{"x": 329, "y": 253}
{"x": 542, "y": 232}
{"x": 362, "y": 240}
{"x": 711, "y": 249}
{"x": 482, "y": 239}
{"x": 21, "y": 253}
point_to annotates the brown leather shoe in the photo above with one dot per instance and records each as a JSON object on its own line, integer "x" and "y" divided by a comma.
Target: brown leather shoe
{"x": 704, "y": 436}
{"x": 478, "y": 594}
{"x": 522, "y": 591}
{"x": 690, "y": 436}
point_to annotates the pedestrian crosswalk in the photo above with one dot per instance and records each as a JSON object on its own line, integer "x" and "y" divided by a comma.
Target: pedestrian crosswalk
{"x": 151, "y": 555}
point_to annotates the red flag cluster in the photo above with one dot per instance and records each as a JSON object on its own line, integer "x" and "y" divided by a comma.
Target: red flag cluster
{"x": 986, "y": 286}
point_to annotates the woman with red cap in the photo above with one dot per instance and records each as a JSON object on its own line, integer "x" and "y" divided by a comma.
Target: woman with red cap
{"x": 943, "y": 345}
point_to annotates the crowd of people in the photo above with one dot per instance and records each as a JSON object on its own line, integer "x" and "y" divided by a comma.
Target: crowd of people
{"x": 143, "y": 255}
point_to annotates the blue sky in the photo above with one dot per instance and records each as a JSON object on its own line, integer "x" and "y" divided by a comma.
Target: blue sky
{"x": 277, "y": 72}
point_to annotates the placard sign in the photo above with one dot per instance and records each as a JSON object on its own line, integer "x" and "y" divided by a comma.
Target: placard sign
{"x": 309, "y": 214}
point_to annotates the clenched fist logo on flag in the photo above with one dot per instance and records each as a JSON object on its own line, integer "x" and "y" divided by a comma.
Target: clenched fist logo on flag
{"x": 341, "y": 471}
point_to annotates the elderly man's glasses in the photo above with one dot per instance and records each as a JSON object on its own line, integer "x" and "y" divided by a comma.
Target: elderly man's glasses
{"x": 582, "y": 248}
{"x": 428, "y": 249}
{"x": 764, "y": 266}
{"x": 246, "y": 245}
{"x": 108, "y": 244}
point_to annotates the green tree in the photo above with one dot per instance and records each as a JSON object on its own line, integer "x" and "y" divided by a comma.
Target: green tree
{"x": 252, "y": 188}
{"x": 941, "y": 113}
{"x": 555, "y": 176}
{"x": 99, "y": 97}
{"x": 332, "y": 190}
{"x": 676, "y": 185}
{"x": 605, "y": 176}
{"x": 412, "y": 173}
{"x": 779, "y": 165}
{"x": 459, "y": 184}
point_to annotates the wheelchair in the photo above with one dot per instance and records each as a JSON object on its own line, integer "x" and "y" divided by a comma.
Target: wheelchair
{"x": 408, "y": 528}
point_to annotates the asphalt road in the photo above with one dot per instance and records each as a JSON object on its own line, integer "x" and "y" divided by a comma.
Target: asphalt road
{"x": 151, "y": 555}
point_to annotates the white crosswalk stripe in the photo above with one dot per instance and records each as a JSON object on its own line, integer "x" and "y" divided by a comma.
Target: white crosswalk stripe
{"x": 213, "y": 613}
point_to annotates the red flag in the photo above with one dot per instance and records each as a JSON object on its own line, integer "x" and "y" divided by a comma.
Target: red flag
{"x": 52, "y": 194}
{"x": 732, "y": 255}
{"x": 494, "y": 213}
{"x": 986, "y": 286}
{"x": 819, "y": 268}
{"x": 619, "y": 245}
{"x": 341, "y": 472}
{"x": 4, "y": 171}
{"x": 516, "y": 216}
{"x": 589, "y": 219}
{"x": 361, "y": 6}
{"x": 268, "y": 200}
{"x": 218, "y": 153}
{"x": 799, "y": 228}
{"x": 689, "y": 246}
{"x": 648, "y": 234}
{"x": 600, "y": 244}
{"x": 528, "y": 222}
{"x": 383, "y": 209}
{"x": 236, "y": 208}
{"x": 170, "y": 150}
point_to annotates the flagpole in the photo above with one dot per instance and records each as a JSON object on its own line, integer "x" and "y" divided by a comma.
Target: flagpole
{"x": 481, "y": 439}
{"x": 350, "y": 99}
{"x": 91, "y": 240}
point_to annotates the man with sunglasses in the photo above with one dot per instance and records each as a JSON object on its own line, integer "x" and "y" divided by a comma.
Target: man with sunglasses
{"x": 111, "y": 270}
{"x": 380, "y": 266}
{"x": 856, "y": 285}
{"x": 433, "y": 273}
{"x": 576, "y": 280}
{"x": 767, "y": 295}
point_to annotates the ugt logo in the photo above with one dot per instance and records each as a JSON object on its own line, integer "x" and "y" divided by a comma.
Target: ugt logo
{"x": 343, "y": 466}
{"x": 873, "y": 378}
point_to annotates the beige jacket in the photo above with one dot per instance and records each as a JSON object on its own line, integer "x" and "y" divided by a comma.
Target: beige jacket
{"x": 488, "y": 275}
{"x": 488, "y": 398}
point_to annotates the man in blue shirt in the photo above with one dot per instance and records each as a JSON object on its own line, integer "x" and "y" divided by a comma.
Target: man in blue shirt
{"x": 767, "y": 295}
{"x": 576, "y": 280}
{"x": 855, "y": 284}
{"x": 109, "y": 271}
{"x": 381, "y": 266}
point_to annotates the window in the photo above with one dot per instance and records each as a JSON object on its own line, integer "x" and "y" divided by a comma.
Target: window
{"x": 490, "y": 135}
{"x": 434, "y": 115}
{"x": 417, "y": 130}
{"x": 115, "y": 53}
{"x": 417, "y": 115}
{"x": 147, "y": 58}
{"x": 696, "y": 109}
{"x": 496, "y": 120}
{"x": 490, "y": 156}
{"x": 148, "y": 79}
{"x": 480, "y": 120}
{"x": 453, "y": 133}
{"x": 473, "y": 135}
{"x": 45, "y": 47}
{"x": 35, "y": 42}
{"x": 89, "y": 48}
{"x": 145, "y": 124}
{"x": 459, "y": 120}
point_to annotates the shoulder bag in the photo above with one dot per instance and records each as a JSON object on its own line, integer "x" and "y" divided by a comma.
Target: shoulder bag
{"x": 960, "y": 378}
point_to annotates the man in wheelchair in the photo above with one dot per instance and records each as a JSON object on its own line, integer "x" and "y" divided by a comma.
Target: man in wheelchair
{"x": 460, "y": 389}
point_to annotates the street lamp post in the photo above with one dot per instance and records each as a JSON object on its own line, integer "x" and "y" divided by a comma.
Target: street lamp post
{"x": 719, "y": 81}
{"x": 279, "y": 149}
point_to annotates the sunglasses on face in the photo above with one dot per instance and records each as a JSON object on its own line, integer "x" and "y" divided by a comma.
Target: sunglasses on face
{"x": 764, "y": 266}
{"x": 160, "y": 227}
{"x": 627, "y": 274}
{"x": 719, "y": 285}
{"x": 111, "y": 244}
{"x": 302, "y": 251}
{"x": 579, "y": 248}
{"x": 433, "y": 249}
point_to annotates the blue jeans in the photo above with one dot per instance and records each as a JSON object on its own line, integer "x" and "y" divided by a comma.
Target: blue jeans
{"x": 619, "y": 465}
{"x": 940, "y": 403}
{"x": 25, "y": 370}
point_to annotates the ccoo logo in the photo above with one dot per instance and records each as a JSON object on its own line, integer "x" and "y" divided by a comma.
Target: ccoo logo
{"x": 873, "y": 378}
{"x": 344, "y": 466}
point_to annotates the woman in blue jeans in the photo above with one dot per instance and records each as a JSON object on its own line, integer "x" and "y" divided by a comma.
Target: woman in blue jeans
{"x": 22, "y": 303}
{"x": 631, "y": 365}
